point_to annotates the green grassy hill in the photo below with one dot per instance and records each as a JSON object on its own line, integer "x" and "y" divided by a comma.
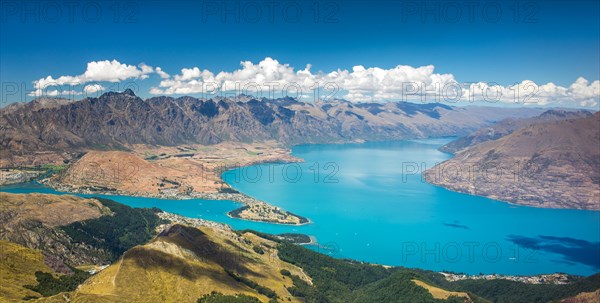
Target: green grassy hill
{"x": 18, "y": 265}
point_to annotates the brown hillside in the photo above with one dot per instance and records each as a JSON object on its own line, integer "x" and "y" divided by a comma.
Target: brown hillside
{"x": 183, "y": 263}
{"x": 554, "y": 164}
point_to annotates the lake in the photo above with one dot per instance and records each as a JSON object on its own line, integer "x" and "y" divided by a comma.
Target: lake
{"x": 368, "y": 202}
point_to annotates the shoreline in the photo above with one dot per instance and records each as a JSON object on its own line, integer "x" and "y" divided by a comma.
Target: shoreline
{"x": 556, "y": 278}
{"x": 237, "y": 197}
{"x": 498, "y": 199}
{"x": 252, "y": 209}
{"x": 307, "y": 222}
{"x": 313, "y": 241}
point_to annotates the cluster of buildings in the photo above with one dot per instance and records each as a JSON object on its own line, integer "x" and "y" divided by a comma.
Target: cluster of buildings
{"x": 556, "y": 278}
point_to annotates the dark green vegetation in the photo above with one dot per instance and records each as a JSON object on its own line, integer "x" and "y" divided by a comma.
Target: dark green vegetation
{"x": 217, "y": 297}
{"x": 228, "y": 190}
{"x": 504, "y": 291}
{"x": 285, "y": 272}
{"x": 303, "y": 220}
{"x": 236, "y": 212}
{"x": 259, "y": 288}
{"x": 117, "y": 233}
{"x": 41, "y": 171}
{"x": 51, "y": 168}
{"x": 337, "y": 280}
{"x": 257, "y": 249}
{"x": 295, "y": 238}
{"x": 348, "y": 281}
{"x": 399, "y": 287}
{"x": 48, "y": 285}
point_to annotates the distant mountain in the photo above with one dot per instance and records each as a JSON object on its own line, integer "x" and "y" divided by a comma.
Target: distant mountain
{"x": 39, "y": 103}
{"x": 509, "y": 125}
{"x": 548, "y": 164}
{"x": 117, "y": 120}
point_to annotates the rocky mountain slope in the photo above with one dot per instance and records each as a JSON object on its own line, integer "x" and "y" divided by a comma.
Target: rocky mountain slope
{"x": 53, "y": 131}
{"x": 507, "y": 127}
{"x": 35, "y": 221}
{"x": 550, "y": 164}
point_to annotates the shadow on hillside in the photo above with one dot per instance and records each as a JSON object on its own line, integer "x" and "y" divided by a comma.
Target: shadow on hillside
{"x": 233, "y": 259}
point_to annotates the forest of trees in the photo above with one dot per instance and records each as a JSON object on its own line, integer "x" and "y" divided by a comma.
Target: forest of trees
{"x": 117, "y": 233}
{"x": 217, "y": 297}
{"x": 337, "y": 280}
{"x": 48, "y": 285}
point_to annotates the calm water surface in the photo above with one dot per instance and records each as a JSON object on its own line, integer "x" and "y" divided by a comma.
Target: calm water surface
{"x": 362, "y": 206}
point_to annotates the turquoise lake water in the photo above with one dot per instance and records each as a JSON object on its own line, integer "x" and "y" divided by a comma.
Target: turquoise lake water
{"x": 363, "y": 206}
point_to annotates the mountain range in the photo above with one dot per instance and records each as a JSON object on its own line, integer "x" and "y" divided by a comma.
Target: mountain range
{"x": 508, "y": 126}
{"x": 50, "y": 130}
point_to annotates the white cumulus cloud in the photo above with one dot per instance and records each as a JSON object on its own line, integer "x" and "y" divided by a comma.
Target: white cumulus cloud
{"x": 580, "y": 93}
{"x": 93, "y": 88}
{"x": 161, "y": 73}
{"x": 269, "y": 78}
{"x": 268, "y": 75}
{"x": 96, "y": 71}
{"x": 403, "y": 82}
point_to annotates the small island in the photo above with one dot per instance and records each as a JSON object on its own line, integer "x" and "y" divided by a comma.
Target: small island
{"x": 267, "y": 213}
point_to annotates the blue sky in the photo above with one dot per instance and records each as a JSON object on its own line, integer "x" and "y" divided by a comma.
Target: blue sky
{"x": 551, "y": 41}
